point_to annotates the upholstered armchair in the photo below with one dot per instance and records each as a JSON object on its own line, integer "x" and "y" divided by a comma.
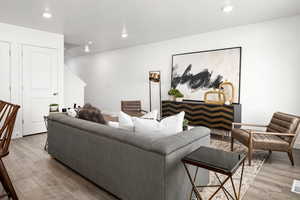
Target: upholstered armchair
{"x": 279, "y": 135}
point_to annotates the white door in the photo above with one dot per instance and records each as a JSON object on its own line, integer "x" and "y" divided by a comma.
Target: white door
{"x": 40, "y": 86}
{"x": 5, "y": 71}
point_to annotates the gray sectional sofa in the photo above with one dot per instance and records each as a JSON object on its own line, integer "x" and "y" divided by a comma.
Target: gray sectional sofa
{"x": 131, "y": 166}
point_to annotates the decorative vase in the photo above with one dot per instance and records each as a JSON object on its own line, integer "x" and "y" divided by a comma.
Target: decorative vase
{"x": 172, "y": 98}
{"x": 184, "y": 128}
{"x": 179, "y": 99}
{"x": 54, "y": 108}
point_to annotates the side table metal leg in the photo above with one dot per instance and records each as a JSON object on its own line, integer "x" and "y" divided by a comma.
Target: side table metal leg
{"x": 223, "y": 188}
{"x": 233, "y": 187}
{"x": 194, "y": 182}
{"x": 237, "y": 194}
{"x": 220, "y": 187}
{"x": 197, "y": 193}
{"x": 241, "y": 180}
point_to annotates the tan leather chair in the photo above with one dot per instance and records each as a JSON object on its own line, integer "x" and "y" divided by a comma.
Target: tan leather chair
{"x": 133, "y": 108}
{"x": 279, "y": 135}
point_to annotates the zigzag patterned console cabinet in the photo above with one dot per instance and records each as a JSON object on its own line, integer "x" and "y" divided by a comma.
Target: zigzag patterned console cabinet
{"x": 201, "y": 114}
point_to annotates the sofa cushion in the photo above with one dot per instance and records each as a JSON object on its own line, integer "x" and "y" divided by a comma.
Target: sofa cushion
{"x": 267, "y": 142}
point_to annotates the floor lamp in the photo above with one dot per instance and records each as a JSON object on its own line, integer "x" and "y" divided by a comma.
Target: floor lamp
{"x": 154, "y": 79}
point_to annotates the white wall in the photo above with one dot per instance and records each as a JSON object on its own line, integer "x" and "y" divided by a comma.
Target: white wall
{"x": 270, "y": 68}
{"x": 18, "y": 36}
{"x": 74, "y": 89}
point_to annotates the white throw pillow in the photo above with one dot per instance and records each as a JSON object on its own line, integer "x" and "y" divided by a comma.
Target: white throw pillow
{"x": 168, "y": 126}
{"x": 72, "y": 113}
{"x": 126, "y": 121}
{"x": 151, "y": 115}
{"x": 146, "y": 126}
{"x": 113, "y": 124}
{"x": 173, "y": 124}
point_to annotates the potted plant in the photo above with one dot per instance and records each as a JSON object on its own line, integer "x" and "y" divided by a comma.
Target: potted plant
{"x": 185, "y": 124}
{"x": 175, "y": 94}
{"x": 179, "y": 96}
{"x": 54, "y": 107}
{"x": 171, "y": 93}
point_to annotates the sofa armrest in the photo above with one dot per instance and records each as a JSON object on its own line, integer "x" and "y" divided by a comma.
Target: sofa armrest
{"x": 172, "y": 143}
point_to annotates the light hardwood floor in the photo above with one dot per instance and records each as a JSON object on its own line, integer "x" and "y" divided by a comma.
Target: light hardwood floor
{"x": 275, "y": 179}
{"x": 36, "y": 176}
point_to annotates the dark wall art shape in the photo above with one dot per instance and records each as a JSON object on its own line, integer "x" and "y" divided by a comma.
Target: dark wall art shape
{"x": 201, "y": 80}
{"x": 195, "y": 73}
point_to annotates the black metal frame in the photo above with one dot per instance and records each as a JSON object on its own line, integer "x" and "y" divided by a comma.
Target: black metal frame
{"x": 204, "y": 51}
{"x": 237, "y": 194}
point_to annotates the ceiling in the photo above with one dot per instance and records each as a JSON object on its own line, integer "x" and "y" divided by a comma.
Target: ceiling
{"x": 101, "y": 21}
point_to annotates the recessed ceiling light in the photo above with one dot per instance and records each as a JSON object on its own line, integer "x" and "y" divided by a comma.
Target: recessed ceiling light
{"x": 47, "y": 14}
{"x": 124, "y": 33}
{"x": 87, "y": 49}
{"x": 90, "y": 42}
{"x": 227, "y": 8}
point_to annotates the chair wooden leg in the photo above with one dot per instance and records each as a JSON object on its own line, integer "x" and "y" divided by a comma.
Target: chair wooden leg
{"x": 232, "y": 143}
{"x": 270, "y": 153}
{"x": 6, "y": 182}
{"x": 250, "y": 150}
{"x": 5, "y": 187}
{"x": 290, "y": 154}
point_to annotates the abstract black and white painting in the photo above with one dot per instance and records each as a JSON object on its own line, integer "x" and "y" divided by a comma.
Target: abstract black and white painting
{"x": 195, "y": 73}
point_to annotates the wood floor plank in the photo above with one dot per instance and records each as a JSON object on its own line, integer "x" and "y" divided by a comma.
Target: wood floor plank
{"x": 37, "y": 176}
{"x": 275, "y": 180}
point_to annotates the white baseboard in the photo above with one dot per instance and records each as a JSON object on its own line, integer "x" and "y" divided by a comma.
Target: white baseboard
{"x": 16, "y": 135}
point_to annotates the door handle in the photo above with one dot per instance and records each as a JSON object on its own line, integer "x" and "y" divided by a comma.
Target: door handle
{"x": 55, "y": 93}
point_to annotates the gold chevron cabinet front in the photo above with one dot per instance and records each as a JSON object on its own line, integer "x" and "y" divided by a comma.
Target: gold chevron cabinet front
{"x": 201, "y": 114}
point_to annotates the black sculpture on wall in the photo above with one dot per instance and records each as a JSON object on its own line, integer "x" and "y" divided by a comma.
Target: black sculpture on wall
{"x": 201, "y": 80}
